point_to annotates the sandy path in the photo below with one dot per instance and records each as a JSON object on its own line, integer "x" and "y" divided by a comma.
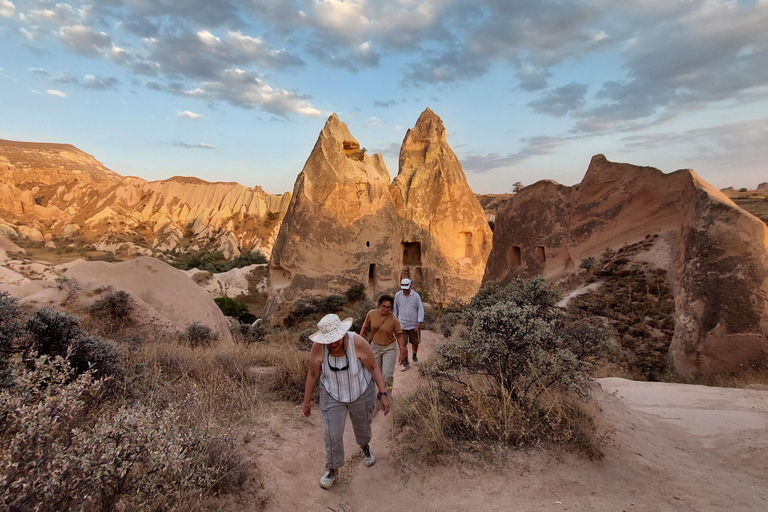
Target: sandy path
{"x": 670, "y": 447}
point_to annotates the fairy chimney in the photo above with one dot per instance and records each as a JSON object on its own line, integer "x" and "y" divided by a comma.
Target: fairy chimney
{"x": 445, "y": 235}
{"x": 341, "y": 227}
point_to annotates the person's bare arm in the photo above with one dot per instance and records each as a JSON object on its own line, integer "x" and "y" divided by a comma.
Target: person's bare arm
{"x": 315, "y": 364}
{"x": 366, "y": 324}
{"x": 365, "y": 353}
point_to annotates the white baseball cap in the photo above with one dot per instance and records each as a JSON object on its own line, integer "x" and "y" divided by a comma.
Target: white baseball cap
{"x": 405, "y": 284}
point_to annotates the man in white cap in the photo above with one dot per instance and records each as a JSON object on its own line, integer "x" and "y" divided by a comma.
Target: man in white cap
{"x": 349, "y": 375}
{"x": 410, "y": 311}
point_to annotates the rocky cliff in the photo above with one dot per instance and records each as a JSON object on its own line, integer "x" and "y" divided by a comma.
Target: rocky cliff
{"x": 446, "y": 237}
{"x": 714, "y": 253}
{"x": 341, "y": 227}
{"x": 50, "y": 191}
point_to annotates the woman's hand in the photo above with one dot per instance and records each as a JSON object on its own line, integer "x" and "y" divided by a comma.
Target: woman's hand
{"x": 385, "y": 404}
{"x": 307, "y": 409}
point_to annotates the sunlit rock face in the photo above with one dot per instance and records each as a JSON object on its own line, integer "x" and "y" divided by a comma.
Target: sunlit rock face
{"x": 341, "y": 227}
{"x": 446, "y": 238}
{"x": 714, "y": 252}
{"x": 48, "y": 187}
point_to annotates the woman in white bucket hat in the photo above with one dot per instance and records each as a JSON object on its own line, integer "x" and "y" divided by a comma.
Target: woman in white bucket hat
{"x": 349, "y": 376}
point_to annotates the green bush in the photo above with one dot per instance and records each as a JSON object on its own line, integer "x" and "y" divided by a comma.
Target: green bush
{"x": 12, "y": 335}
{"x": 114, "y": 308}
{"x": 587, "y": 263}
{"x": 215, "y": 262}
{"x": 356, "y": 292}
{"x": 230, "y": 306}
{"x": 315, "y": 307}
{"x": 236, "y": 309}
{"x": 52, "y": 331}
{"x": 97, "y": 355}
{"x": 517, "y": 360}
{"x": 55, "y": 456}
{"x": 199, "y": 335}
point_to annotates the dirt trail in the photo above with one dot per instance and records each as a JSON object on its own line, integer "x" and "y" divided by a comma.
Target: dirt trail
{"x": 670, "y": 447}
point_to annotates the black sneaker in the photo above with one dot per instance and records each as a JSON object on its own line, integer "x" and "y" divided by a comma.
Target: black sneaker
{"x": 415, "y": 359}
{"x": 406, "y": 366}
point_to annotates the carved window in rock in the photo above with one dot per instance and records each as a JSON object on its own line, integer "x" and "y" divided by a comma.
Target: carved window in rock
{"x": 541, "y": 254}
{"x": 279, "y": 277}
{"x": 352, "y": 149}
{"x": 464, "y": 245}
{"x": 412, "y": 253}
{"x": 515, "y": 256}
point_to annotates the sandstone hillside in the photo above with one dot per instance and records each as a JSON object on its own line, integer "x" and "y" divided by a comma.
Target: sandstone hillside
{"x": 51, "y": 192}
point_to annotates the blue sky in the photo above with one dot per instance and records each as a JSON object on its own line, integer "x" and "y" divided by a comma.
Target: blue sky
{"x": 238, "y": 90}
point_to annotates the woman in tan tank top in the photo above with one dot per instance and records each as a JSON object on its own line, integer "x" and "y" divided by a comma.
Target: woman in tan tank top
{"x": 386, "y": 337}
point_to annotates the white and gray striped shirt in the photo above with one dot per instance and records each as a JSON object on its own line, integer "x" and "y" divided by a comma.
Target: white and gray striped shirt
{"x": 347, "y": 385}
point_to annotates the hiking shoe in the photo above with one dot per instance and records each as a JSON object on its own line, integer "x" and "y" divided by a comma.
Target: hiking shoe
{"x": 368, "y": 458}
{"x": 327, "y": 480}
{"x": 415, "y": 359}
{"x": 406, "y": 366}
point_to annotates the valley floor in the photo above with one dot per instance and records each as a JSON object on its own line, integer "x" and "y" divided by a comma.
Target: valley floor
{"x": 669, "y": 447}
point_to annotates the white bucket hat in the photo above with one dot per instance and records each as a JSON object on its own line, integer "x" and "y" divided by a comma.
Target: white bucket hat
{"x": 331, "y": 329}
{"x": 405, "y": 284}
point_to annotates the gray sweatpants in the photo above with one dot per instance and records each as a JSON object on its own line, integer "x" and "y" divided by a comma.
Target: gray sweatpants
{"x": 335, "y": 418}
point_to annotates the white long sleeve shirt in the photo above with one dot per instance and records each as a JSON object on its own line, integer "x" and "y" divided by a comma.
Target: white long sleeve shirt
{"x": 408, "y": 309}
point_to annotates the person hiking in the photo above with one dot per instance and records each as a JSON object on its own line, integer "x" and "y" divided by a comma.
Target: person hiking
{"x": 386, "y": 337}
{"x": 409, "y": 309}
{"x": 344, "y": 364}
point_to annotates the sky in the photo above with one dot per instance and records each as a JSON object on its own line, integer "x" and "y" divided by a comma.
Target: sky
{"x": 238, "y": 90}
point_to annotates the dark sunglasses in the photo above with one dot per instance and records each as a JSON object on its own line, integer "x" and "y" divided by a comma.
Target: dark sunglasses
{"x": 333, "y": 368}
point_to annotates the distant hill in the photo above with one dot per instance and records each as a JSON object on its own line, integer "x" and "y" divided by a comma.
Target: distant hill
{"x": 56, "y": 193}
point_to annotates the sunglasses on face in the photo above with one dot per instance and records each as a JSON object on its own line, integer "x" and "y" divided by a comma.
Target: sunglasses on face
{"x": 385, "y": 307}
{"x": 333, "y": 368}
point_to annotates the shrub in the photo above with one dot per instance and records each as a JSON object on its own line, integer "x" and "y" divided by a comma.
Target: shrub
{"x": 359, "y": 310}
{"x": 743, "y": 189}
{"x": 355, "y": 292}
{"x": 12, "y": 334}
{"x": 52, "y": 331}
{"x": 230, "y": 306}
{"x": 115, "y": 308}
{"x": 587, "y": 263}
{"x": 215, "y": 262}
{"x": 314, "y": 307}
{"x": 70, "y": 286}
{"x": 513, "y": 374}
{"x": 97, "y": 355}
{"x": 54, "y": 457}
{"x": 199, "y": 335}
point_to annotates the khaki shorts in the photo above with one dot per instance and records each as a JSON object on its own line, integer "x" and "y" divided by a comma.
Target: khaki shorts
{"x": 411, "y": 335}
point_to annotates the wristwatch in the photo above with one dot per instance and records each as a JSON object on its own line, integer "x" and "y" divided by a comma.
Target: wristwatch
{"x": 378, "y": 395}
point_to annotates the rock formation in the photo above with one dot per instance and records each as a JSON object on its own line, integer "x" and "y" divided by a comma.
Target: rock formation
{"x": 56, "y": 190}
{"x": 167, "y": 299}
{"x": 341, "y": 227}
{"x": 347, "y": 224}
{"x": 446, "y": 237}
{"x": 714, "y": 252}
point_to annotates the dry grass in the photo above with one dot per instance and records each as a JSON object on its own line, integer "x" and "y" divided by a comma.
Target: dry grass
{"x": 436, "y": 420}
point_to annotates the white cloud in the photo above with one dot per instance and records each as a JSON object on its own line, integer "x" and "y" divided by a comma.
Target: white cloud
{"x": 56, "y": 92}
{"x": 373, "y": 122}
{"x": 85, "y": 41}
{"x": 187, "y": 114}
{"x": 7, "y": 9}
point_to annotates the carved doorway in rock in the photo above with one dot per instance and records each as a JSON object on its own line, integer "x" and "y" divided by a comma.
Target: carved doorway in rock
{"x": 412, "y": 254}
{"x": 372, "y": 279}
